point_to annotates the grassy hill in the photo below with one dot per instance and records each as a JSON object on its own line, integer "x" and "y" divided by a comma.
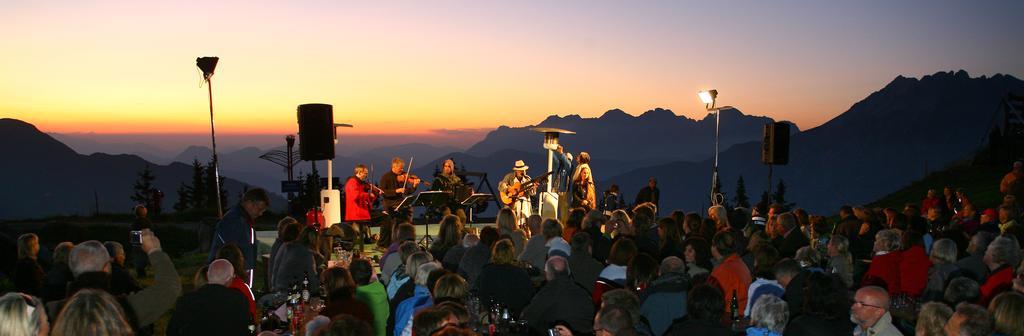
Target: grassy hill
{"x": 981, "y": 183}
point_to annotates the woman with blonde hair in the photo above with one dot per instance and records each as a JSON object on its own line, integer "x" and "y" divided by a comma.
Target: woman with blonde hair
{"x": 720, "y": 216}
{"x": 1007, "y": 309}
{"x": 92, "y": 312}
{"x": 583, "y": 195}
{"x": 451, "y": 287}
{"x": 23, "y": 315}
{"x": 840, "y": 261}
{"x": 507, "y": 226}
{"x": 28, "y": 275}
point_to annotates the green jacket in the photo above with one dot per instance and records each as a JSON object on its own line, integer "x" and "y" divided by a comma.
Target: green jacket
{"x": 375, "y": 295}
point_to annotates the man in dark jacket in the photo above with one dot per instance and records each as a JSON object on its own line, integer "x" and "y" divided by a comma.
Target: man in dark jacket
{"x": 560, "y": 299}
{"x": 599, "y": 244}
{"x": 585, "y": 268}
{"x": 213, "y": 309}
{"x": 792, "y": 278}
{"x": 237, "y": 227}
{"x": 665, "y": 299}
{"x": 705, "y": 309}
{"x": 650, "y": 193}
{"x": 789, "y": 238}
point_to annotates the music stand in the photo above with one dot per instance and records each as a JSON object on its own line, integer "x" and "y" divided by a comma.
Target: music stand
{"x": 473, "y": 200}
{"x": 430, "y": 198}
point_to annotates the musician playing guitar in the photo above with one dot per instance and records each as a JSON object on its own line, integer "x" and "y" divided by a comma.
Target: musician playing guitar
{"x": 515, "y": 188}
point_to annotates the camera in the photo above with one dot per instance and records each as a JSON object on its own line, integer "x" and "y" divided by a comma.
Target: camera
{"x": 135, "y": 238}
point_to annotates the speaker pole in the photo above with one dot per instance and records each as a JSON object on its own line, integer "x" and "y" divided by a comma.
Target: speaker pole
{"x": 769, "y": 183}
{"x": 207, "y": 65}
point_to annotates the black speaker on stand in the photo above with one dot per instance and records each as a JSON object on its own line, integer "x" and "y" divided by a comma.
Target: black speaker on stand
{"x": 775, "y": 147}
{"x": 316, "y": 132}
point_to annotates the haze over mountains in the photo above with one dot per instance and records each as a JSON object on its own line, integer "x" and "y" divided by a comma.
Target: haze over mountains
{"x": 883, "y": 142}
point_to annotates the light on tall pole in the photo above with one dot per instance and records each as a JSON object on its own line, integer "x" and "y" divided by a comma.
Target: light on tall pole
{"x": 551, "y": 144}
{"x": 207, "y": 65}
{"x": 708, "y": 97}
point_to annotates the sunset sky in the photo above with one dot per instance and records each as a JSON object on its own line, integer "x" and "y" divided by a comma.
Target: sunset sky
{"x": 423, "y": 66}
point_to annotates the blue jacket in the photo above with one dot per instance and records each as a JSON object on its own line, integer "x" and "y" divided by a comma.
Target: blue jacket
{"x": 403, "y": 314}
{"x": 235, "y": 227}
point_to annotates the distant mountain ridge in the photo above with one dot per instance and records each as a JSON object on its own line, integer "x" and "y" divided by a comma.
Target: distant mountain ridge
{"x": 47, "y": 178}
{"x": 880, "y": 144}
{"x": 657, "y": 134}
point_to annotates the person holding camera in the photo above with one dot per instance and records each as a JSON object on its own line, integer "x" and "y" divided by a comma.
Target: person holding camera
{"x": 141, "y": 222}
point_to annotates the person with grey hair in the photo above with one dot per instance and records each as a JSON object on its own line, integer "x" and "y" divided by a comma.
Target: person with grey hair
{"x": 625, "y": 299}
{"x": 973, "y": 265}
{"x": 943, "y": 268}
{"x": 1000, "y": 257}
{"x": 59, "y": 276}
{"x": 961, "y": 289}
{"x": 561, "y": 298}
{"x": 885, "y": 265}
{"x": 613, "y": 321}
{"x": 788, "y": 237}
{"x": 121, "y": 281}
{"x": 768, "y": 316}
{"x": 213, "y": 309}
{"x": 420, "y": 299}
{"x": 23, "y": 315}
{"x": 870, "y": 312}
{"x": 90, "y": 264}
{"x": 664, "y": 300}
{"x": 969, "y": 320}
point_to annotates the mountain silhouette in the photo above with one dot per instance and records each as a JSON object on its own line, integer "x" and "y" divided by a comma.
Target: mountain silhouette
{"x": 657, "y": 135}
{"x": 47, "y": 178}
{"x": 882, "y": 143}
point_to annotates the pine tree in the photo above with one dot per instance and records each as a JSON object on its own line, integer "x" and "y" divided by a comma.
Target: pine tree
{"x": 197, "y": 192}
{"x": 184, "y": 198}
{"x": 741, "y": 200}
{"x": 780, "y": 196}
{"x": 144, "y": 187}
{"x": 766, "y": 200}
{"x": 211, "y": 189}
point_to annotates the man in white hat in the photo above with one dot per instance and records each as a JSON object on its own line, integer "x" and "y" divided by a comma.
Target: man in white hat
{"x": 520, "y": 200}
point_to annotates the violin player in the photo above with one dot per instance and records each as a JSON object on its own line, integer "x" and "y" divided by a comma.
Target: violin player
{"x": 396, "y": 184}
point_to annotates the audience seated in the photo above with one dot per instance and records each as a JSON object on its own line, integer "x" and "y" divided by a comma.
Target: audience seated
{"x": 341, "y": 296}
{"x": 28, "y": 274}
{"x": 59, "y": 276}
{"x": 90, "y": 264}
{"x": 871, "y": 312}
{"x": 478, "y": 256}
{"x": 420, "y": 300}
{"x": 213, "y": 309}
{"x": 613, "y": 276}
{"x": 969, "y": 320}
{"x": 731, "y": 275}
{"x": 561, "y": 299}
{"x": 826, "y": 309}
{"x": 705, "y": 308}
{"x": 664, "y": 300}
{"x": 932, "y": 319}
{"x": 503, "y": 282}
{"x": 885, "y": 265}
{"x": 1002, "y": 255}
{"x": 372, "y": 293}
{"x": 92, "y": 312}
{"x": 768, "y": 316}
{"x": 23, "y": 314}
{"x": 585, "y": 268}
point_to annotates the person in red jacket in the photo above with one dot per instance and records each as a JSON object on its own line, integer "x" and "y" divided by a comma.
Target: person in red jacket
{"x": 731, "y": 275}
{"x": 885, "y": 265}
{"x": 1000, "y": 257}
{"x": 931, "y": 201}
{"x": 359, "y": 197}
{"x": 914, "y": 264}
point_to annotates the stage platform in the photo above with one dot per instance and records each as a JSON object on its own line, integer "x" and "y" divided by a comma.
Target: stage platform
{"x": 265, "y": 239}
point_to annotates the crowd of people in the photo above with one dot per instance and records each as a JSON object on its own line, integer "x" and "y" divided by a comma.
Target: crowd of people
{"x": 942, "y": 266}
